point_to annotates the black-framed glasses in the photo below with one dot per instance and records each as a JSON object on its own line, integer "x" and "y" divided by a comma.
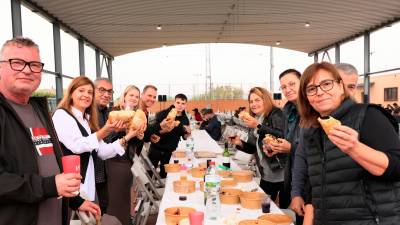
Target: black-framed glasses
{"x": 325, "y": 85}
{"x": 103, "y": 90}
{"x": 20, "y": 64}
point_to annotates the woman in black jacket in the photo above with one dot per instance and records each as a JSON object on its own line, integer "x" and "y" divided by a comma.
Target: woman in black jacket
{"x": 353, "y": 167}
{"x": 264, "y": 118}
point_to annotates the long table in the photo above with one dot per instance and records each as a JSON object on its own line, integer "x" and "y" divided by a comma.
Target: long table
{"x": 203, "y": 142}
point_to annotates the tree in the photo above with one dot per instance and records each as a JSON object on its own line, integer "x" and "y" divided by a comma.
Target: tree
{"x": 222, "y": 92}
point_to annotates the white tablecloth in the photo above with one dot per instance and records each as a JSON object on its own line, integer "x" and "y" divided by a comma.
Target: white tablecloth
{"x": 196, "y": 199}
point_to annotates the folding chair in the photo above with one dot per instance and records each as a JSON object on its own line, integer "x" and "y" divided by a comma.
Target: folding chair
{"x": 149, "y": 167}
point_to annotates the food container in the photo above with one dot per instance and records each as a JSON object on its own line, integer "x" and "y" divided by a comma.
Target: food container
{"x": 203, "y": 165}
{"x": 230, "y": 196}
{"x": 278, "y": 219}
{"x": 243, "y": 176}
{"x": 179, "y": 154}
{"x": 175, "y": 214}
{"x": 201, "y": 186}
{"x": 255, "y": 222}
{"x": 198, "y": 172}
{"x": 205, "y": 154}
{"x": 172, "y": 168}
{"x": 228, "y": 183}
{"x": 184, "y": 186}
{"x": 224, "y": 173}
{"x": 251, "y": 200}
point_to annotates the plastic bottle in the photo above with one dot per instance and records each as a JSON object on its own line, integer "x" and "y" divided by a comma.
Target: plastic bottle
{"x": 189, "y": 151}
{"x": 211, "y": 193}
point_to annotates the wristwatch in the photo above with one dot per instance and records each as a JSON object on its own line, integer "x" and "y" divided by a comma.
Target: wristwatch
{"x": 259, "y": 126}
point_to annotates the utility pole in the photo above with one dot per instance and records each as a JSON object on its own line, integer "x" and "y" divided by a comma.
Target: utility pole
{"x": 271, "y": 75}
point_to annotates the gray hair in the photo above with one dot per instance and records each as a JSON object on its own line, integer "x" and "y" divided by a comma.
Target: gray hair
{"x": 98, "y": 80}
{"x": 347, "y": 68}
{"x": 19, "y": 42}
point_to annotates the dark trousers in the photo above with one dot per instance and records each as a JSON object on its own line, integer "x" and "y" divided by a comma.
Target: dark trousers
{"x": 102, "y": 195}
{"x": 273, "y": 189}
{"x": 159, "y": 156}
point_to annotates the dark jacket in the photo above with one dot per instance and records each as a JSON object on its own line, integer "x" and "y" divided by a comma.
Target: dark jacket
{"x": 342, "y": 191}
{"x": 272, "y": 124}
{"x": 213, "y": 128}
{"x": 21, "y": 188}
{"x": 169, "y": 141}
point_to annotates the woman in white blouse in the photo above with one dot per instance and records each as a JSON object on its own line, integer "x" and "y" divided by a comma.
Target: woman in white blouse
{"x": 86, "y": 139}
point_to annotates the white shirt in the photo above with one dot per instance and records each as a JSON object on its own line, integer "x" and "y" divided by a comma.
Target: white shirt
{"x": 69, "y": 134}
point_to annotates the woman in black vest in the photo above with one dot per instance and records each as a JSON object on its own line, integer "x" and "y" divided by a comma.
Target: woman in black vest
{"x": 264, "y": 119}
{"x": 354, "y": 167}
{"x": 76, "y": 125}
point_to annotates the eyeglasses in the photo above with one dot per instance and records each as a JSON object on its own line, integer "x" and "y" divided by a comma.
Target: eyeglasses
{"x": 20, "y": 64}
{"x": 290, "y": 85}
{"x": 103, "y": 90}
{"x": 325, "y": 85}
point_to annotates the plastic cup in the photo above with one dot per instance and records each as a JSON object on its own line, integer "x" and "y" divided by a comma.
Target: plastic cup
{"x": 71, "y": 163}
{"x": 196, "y": 218}
{"x": 266, "y": 204}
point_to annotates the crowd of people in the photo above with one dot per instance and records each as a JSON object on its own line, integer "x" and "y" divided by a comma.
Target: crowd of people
{"x": 349, "y": 174}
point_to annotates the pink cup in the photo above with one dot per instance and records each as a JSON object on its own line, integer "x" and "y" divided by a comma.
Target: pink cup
{"x": 71, "y": 163}
{"x": 196, "y": 218}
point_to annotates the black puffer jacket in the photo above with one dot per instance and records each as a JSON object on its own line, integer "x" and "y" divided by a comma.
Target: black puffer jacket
{"x": 342, "y": 191}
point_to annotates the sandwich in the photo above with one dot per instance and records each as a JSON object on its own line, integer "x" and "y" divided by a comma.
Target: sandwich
{"x": 244, "y": 114}
{"x": 172, "y": 114}
{"x": 138, "y": 120}
{"x": 269, "y": 138}
{"x": 122, "y": 115}
{"x": 327, "y": 122}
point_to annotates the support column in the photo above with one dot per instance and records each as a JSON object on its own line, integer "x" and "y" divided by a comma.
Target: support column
{"x": 57, "y": 61}
{"x": 81, "y": 48}
{"x": 337, "y": 53}
{"x": 315, "y": 57}
{"x": 366, "y": 67}
{"x": 16, "y": 18}
{"x": 109, "y": 68}
{"x": 98, "y": 69}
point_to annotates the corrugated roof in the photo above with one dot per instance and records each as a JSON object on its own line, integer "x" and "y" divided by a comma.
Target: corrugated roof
{"x": 124, "y": 26}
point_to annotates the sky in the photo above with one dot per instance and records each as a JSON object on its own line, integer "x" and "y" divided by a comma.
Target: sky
{"x": 176, "y": 69}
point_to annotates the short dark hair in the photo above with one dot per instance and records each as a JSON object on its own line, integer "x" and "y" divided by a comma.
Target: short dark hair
{"x": 149, "y": 86}
{"x": 181, "y": 96}
{"x": 297, "y": 73}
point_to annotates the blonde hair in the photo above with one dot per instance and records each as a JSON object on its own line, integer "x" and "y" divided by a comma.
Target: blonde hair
{"x": 121, "y": 101}
{"x": 265, "y": 96}
{"x": 67, "y": 102}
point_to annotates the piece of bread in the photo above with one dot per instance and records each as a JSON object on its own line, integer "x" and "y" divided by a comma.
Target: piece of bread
{"x": 327, "y": 122}
{"x": 138, "y": 120}
{"x": 172, "y": 114}
{"x": 177, "y": 122}
{"x": 269, "y": 138}
{"x": 244, "y": 114}
{"x": 122, "y": 115}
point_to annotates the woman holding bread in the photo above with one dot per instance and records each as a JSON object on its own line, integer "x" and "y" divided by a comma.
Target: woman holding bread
{"x": 119, "y": 167}
{"x": 76, "y": 124}
{"x": 352, "y": 150}
{"x": 264, "y": 119}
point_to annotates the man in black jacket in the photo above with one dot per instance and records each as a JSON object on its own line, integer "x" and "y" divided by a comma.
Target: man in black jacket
{"x": 30, "y": 154}
{"x": 160, "y": 152}
{"x": 213, "y": 125}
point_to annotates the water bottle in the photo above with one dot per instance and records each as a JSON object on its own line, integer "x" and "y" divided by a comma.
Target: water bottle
{"x": 211, "y": 193}
{"x": 189, "y": 150}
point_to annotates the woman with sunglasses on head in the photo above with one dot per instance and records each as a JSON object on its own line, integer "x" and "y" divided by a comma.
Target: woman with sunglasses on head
{"x": 76, "y": 124}
{"x": 353, "y": 166}
{"x": 264, "y": 118}
{"x": 119, "y": 167}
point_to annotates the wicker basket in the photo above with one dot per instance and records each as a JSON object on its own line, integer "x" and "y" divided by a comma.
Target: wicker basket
{"x": 230, "y": 196}
{"x": 184, "y": 186}
{"x": 228, "y": 183}
{"x": 202, "y": 186}
{"x": 179, "y": 154}
{"x": 175, "y": 214}
{"x": 203, "y": 165}
{"x": 198, "y": 172}
{"x": 243, "y": 176}
{"x": 277, "y": 219}
{"x": 172, "y": 168}
{"x": 224, "y": 173}
{"x": 255, "y": 222}
{"x": 251, "y": 200}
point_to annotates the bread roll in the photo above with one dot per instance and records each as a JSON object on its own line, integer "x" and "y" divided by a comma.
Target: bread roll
{"x": 122, "y": 115}
{"x": 269, "y": 138}
{"x": 244, "y": 114}
{"x": 138, "y": 120}
{"x": 177, "y": 122}
{"x": 172, "y": 114}
{"x": 327, "y": 122}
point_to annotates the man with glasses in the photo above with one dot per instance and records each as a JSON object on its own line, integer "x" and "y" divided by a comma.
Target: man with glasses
{"x": 103, "y": 96}
{"x": 30, "y": 154}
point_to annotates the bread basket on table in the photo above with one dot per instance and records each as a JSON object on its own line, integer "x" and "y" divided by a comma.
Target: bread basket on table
{"x": 251, "y": 200}
{"x": 175, "y": 214}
